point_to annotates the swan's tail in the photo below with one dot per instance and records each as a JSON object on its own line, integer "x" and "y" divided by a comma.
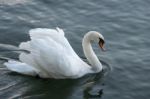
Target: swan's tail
{"x": 16, "y": 65}
{"x": 20, "y": 67}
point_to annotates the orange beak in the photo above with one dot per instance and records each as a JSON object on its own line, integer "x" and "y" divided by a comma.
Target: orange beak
{"x": 101, "y": 45}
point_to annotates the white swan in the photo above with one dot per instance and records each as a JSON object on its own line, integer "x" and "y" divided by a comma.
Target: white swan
{"x": 51, "y": 55}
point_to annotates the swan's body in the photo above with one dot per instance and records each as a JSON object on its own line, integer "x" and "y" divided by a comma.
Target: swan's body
{"x": 51, "y": 55}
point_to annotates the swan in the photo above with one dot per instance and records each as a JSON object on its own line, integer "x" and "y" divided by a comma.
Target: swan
{"x": 51, "y": 55}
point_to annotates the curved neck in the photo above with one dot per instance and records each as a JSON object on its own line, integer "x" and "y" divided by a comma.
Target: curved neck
{"x": 90, "y": 55}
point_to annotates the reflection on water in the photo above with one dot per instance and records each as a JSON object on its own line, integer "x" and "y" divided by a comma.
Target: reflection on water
{"x": 88, "y": 96}
{"x": 67, "y": 88}
{"x": 43, "y": 88}
{"x": 89, "y": 86}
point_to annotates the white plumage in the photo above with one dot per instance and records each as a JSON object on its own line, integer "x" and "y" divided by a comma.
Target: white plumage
{"x": 53, "y": 57}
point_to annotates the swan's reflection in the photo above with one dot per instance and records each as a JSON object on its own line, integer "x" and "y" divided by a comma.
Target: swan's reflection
{"x": 61, "y": 89}
{"x": 96, "y": 79}
{"x": 87, "y": 95}
{"x": 37, "y": 88}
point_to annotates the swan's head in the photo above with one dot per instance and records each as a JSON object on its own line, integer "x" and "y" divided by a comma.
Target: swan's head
{"x": 96, "y": 37}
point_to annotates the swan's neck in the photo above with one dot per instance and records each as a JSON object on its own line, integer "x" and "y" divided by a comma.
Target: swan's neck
{"x": 90, "y": 55}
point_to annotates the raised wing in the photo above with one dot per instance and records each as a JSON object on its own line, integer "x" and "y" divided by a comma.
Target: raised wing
{"x": 50, "y": 52}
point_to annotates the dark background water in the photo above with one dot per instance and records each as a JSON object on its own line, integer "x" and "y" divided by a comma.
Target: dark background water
{"x": 125, "y": 25}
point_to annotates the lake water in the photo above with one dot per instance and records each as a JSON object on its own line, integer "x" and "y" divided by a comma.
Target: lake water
{"x": 125, "y": 25}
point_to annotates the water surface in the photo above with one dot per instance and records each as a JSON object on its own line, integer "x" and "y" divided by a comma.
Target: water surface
{"x": 125, "y": 25}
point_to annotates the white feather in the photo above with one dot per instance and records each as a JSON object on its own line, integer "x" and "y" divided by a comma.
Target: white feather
{"x": 22, "y": 68}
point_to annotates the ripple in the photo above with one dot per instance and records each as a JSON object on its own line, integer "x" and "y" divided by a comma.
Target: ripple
{"x": 7, "y": 86}
{"x": 124, "y": 24}
{"x": 12, "y": 2}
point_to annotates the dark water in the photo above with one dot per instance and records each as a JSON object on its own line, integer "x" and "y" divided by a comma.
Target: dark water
{"x": 125, "y": 25}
